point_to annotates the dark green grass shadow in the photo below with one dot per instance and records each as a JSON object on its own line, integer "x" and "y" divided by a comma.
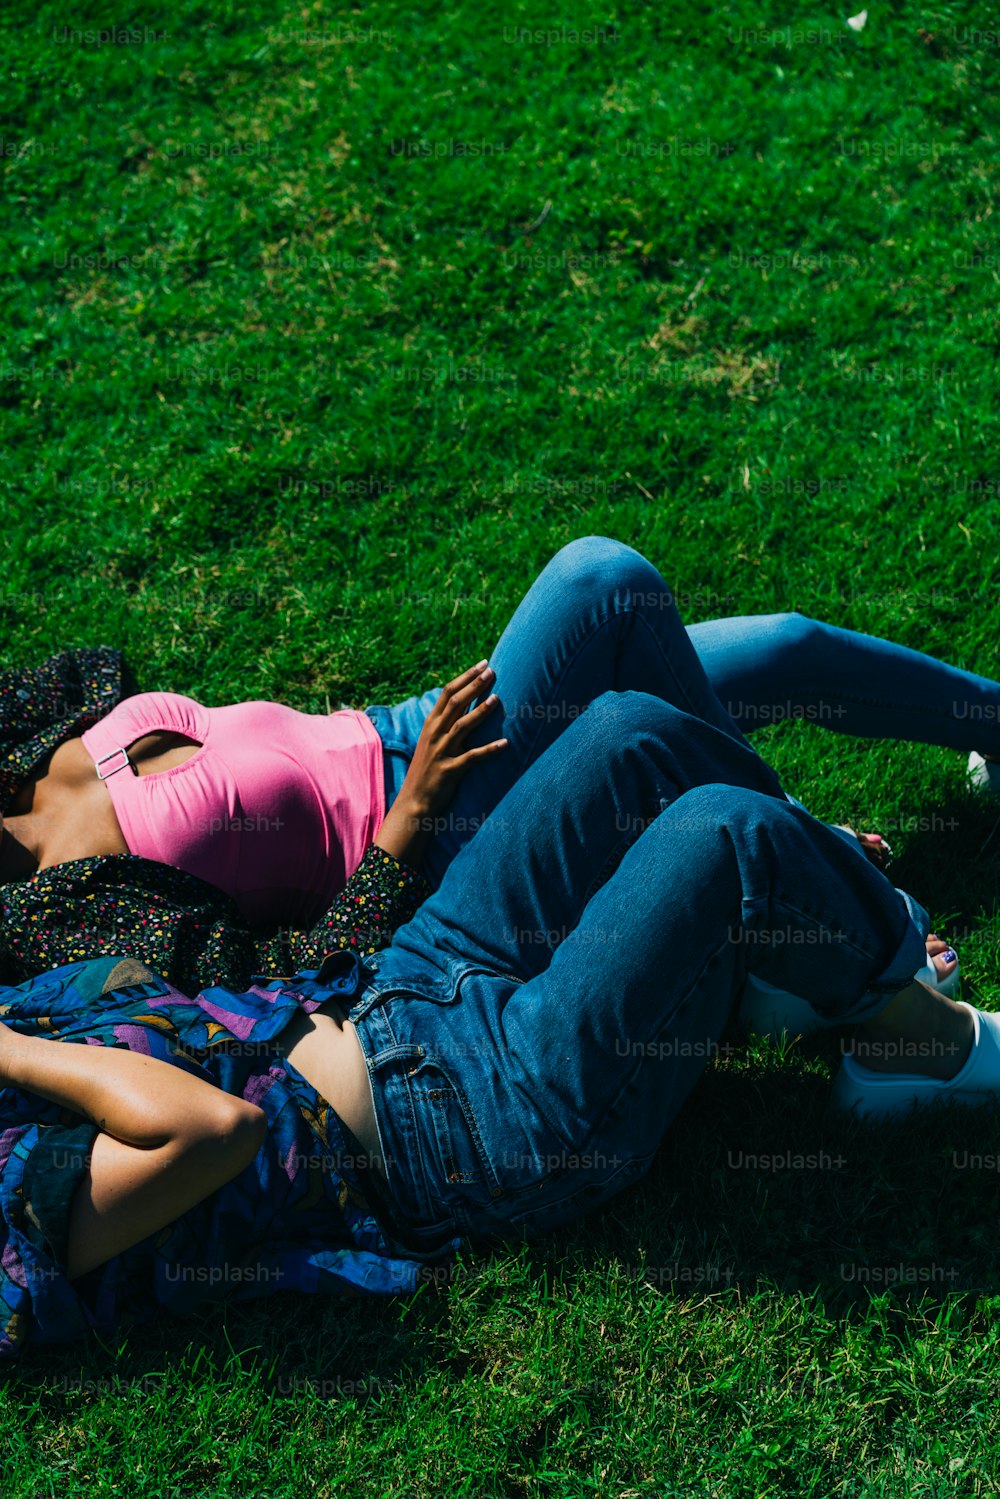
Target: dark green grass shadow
{"x": 320, "y": 1351}
{"x": 951, "y": 863}
{"x": 760, "y": 1188}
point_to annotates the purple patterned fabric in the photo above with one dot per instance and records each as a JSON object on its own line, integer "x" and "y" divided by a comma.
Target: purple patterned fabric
{"x": 295, "y": 1219}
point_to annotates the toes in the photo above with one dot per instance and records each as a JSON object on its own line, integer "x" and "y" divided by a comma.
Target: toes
{"x": 941, "y": 954}
{"x": 944, "y": 962}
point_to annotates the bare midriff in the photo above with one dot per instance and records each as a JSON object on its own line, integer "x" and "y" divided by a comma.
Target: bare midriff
{"x": 64, "y": 811}
{"x": 324, "y": 1047}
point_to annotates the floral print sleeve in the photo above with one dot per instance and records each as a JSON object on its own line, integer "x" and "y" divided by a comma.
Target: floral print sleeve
{"x": 118, "y": 904}
{"x": 41, "y": 707}
{"x": 381, "y": 895}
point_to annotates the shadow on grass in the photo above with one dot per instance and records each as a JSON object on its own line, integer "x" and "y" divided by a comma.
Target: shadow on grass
{"x": 761, "y": 1184}
{"x": 760, "y": 1187}
{"x": 310, "y": 1350}
{"x": 951, "y": 863}
{"x": 757, "y": 1188}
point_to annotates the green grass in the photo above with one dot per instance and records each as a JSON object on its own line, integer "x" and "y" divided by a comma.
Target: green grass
{"x": 321, "y": 332}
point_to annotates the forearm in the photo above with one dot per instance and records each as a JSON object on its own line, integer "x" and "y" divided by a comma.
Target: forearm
{"x": 405, "y": 831}
{"x": 137, "y": 1099}
{"x": 130, "y": 1193}
{"x": 166, "y": 1141}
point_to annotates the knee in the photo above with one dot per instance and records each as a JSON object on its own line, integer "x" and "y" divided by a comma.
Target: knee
{"x": 794, "y": 637}
{"x": 597, "y": 566}
{"x": 732, "y": 813}
{"x": 615, "y": 724}
{"x": 618, "y": 718}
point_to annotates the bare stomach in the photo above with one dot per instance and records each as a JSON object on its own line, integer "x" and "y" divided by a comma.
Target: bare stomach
{"x": 65, "y": 810}
{"x": 324, "y": 1047}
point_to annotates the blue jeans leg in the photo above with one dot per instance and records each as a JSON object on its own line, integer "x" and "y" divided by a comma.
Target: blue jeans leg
{"x": 532, "y": 1032}
{"x": 767, "y": 667}
{"x": 598, "y": 618}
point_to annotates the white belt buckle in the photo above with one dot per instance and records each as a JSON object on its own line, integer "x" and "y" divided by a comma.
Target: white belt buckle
{"x": 102, "y": 775}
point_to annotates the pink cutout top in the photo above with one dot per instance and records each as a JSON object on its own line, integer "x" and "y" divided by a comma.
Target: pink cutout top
{"x": 276, "y": 807}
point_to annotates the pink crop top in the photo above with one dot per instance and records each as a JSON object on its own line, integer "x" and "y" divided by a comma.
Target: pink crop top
{"x": 276, "y": 807}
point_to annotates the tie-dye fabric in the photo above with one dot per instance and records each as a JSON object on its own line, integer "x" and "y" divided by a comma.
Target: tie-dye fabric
{"x": 295, "y": 1219}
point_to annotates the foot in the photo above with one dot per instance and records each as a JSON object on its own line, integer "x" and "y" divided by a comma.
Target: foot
{"x": 941, "y": 956}
{"x": 919, "y": 1032}
{"x": 926, "y": 1051}
{"x": 874, "y": 846}
{"x": 767, "y": 1011}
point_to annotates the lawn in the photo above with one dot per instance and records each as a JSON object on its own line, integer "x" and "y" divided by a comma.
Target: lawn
{"x": 322, "y": 330}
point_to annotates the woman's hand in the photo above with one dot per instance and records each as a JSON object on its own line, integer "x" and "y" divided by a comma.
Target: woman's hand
{"x": 439, "y": 762}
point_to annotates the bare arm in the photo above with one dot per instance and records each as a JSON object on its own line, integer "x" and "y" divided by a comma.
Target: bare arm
{"x": 168, "y": 1139}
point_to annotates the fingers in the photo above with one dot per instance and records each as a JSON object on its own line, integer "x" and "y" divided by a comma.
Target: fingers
{"x": 457, "y": 695}
{"x": 464, "y": 679}
{"x": 471, "y": 720}
{"x": 480, "y": 752}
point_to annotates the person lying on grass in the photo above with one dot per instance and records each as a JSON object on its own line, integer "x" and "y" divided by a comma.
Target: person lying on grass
{"x": 213, "y": 843}
{"x": 509, "y": 1062}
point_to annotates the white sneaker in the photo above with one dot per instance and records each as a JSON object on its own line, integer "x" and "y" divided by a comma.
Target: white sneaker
{"x": 984, "y": 775}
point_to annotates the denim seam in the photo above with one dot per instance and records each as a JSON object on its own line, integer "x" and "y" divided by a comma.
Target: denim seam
{"x": 849, "y": 939}
{"x": 807, "y": 694}
{"x": 454, "y": 1089}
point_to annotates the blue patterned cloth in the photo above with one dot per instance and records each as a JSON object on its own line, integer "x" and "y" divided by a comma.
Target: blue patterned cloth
{"x": 294, "y": 1219}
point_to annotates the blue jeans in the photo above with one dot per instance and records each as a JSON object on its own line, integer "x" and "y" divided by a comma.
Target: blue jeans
{"x": 768, "y": 667}
{"x": 532, "y": 1032}
{"x": 600, "y": 618}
